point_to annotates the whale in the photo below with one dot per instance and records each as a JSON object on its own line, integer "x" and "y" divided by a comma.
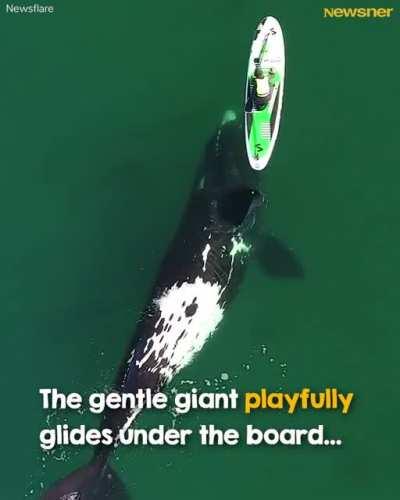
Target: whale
{"x": 197, "y": 281}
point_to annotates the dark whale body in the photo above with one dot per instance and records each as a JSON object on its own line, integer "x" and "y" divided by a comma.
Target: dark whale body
{"x": 197, "y": 280}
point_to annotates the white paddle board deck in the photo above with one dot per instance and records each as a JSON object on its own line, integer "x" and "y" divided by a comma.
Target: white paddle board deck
{"x": 263, "y": 112}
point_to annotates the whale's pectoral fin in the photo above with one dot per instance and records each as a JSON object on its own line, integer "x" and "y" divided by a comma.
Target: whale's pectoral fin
{"x": 277, "y": 259}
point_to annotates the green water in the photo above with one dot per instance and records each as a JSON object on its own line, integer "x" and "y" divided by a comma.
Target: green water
{"x": 105, "y": 109}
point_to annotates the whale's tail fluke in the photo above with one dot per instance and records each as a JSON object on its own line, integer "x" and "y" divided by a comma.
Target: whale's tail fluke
{"x": 95, "y": 481}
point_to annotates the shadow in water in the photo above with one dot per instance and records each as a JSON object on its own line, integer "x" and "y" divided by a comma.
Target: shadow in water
{"x": 277, "y": 259}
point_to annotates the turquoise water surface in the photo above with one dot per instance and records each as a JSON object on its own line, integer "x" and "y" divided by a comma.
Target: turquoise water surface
{"x": 106, "y": 108}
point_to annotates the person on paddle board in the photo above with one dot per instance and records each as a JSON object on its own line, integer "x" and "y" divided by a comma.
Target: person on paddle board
{"x": 262, "y": 89}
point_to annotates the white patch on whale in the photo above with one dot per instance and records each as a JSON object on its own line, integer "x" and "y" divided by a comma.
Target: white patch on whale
{"x": 238, "y": 246}
{"x": 205, "y": 255}
{"x": 130, "y": 419}
{"x": 172, "y": 350}
{"x": 71, "y": 496}
{"x": 191, "y": 313}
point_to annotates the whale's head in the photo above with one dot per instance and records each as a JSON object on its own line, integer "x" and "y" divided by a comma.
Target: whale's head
{"x": 229, "y": 181}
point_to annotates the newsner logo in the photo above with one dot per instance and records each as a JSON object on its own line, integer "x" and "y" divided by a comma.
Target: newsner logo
{"x": 357, "y": 12}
